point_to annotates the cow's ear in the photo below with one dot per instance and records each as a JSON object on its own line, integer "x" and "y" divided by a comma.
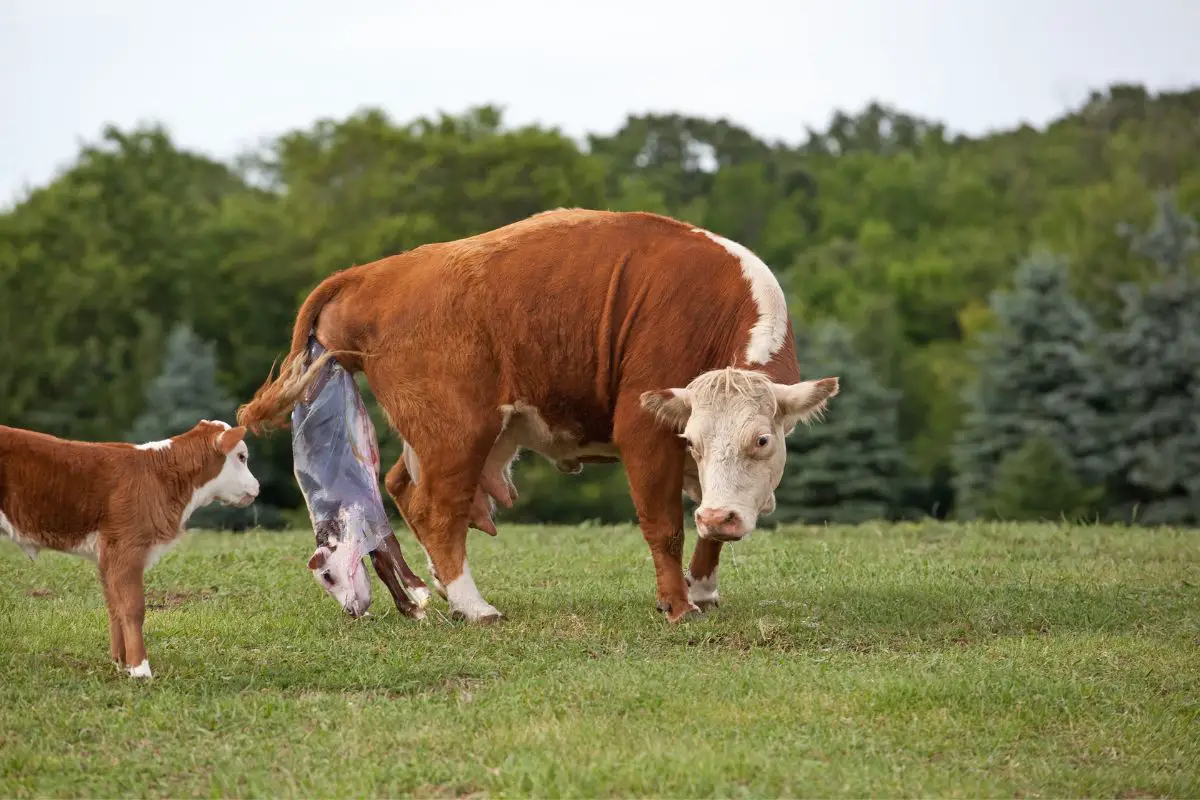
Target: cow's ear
{"x": 803, "y": 402}
{"x": 672, "y": 407}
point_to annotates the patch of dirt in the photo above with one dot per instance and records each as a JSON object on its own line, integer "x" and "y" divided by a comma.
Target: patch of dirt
{"x": 159, "y": 598}
{"x": 39, "y": 593}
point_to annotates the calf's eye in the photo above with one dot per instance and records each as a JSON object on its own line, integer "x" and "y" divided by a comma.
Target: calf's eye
{"x": 328, "y": 578}
{"x": 764, "y": 440}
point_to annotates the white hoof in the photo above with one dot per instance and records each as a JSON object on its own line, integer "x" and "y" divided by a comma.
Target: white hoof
{"x": 142, "y": 670}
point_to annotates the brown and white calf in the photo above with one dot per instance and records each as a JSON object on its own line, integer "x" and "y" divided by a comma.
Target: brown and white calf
{"x": 583, "y": 336}
{"x": 121, "y": 505}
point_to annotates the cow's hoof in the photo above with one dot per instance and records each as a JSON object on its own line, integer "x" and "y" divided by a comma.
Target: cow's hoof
{"x": 483, "y": 616}
{"x": 686, "y": 613}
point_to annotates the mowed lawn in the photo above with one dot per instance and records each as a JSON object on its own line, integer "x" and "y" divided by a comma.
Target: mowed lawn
{"x": 922, "y": 660}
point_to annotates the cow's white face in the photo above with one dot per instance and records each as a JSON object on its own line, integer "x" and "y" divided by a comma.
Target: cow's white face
{"x": 734, "y": 423}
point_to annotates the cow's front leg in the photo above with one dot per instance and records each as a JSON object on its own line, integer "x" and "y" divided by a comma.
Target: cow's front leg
{"x": 654, "y": 467}
{"x": 701, "y": 576}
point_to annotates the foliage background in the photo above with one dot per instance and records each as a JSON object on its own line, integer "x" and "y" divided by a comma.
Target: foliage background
{"x": 898, "y": 245}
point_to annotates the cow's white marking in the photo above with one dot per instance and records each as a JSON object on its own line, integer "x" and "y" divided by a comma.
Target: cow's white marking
{"x": 89, "y": 548}
{"x": 157, "y": 552}
{"x": 703, "y": 590}
{"x": 29, "y": 546}
{"x": 142, "y": 670}
{"x": 524, "y": 427}
{"x": 465, "y": 598}
{"x": 161, "y": 444}
{"x": 767, "y": 335}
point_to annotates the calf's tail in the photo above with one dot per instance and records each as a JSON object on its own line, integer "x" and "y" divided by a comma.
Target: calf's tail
{"x": 273, "y": 402}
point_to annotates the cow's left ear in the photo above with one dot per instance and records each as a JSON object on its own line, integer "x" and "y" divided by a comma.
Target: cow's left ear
{"x": 670, "y": 406}
{"x": 804, "y": 401}
{"x": 229, "y": 439}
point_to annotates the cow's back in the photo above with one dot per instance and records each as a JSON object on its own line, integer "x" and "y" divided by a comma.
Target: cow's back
{"x": 568, "y": 309}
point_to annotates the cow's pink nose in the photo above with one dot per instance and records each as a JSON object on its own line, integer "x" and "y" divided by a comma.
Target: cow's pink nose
{"x": 720, "y": 523}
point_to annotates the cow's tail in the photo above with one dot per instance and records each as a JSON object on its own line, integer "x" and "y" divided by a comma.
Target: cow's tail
{"x": 273, "y": 402}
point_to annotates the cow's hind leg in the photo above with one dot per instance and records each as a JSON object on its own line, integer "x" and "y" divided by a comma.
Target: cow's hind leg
{"x": 400, "y": 486}
{"x": 439, "y": 508}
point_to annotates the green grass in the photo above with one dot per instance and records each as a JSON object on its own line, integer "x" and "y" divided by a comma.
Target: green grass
{"x": 874, "y": 661}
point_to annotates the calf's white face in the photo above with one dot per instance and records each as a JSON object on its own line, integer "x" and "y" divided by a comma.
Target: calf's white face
{"x": 338, "y": 569}
{"x": 235, "y": 485}
{"x": 734, "y": 423}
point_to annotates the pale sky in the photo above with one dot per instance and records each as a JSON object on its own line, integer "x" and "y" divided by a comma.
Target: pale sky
{"x": 223, "y": 75}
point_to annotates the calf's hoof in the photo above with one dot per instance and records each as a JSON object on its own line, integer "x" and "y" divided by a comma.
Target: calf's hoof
{"x": 142, "y": 670}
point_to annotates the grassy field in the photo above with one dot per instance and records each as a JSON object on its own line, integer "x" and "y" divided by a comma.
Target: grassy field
{"x": 872, "y": 661}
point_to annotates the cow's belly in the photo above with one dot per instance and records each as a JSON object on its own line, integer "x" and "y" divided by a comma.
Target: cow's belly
{"x": 524, "y": 428}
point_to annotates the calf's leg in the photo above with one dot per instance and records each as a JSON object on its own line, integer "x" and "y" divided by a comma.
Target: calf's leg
{"x": 124, "y": 573}
{"x": 116, "y": 634}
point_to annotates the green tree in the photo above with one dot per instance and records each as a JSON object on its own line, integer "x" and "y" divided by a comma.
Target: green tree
{"x": 850, "y": 467}
{"x": 1037, "y": 482}
{"x": 1036, "y": 378}
{"x": 1154, "y": 380}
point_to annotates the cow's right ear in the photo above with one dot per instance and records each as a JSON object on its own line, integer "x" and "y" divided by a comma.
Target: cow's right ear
{"x": 670, "y": 406}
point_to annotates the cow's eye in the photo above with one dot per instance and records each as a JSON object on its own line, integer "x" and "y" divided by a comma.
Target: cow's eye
{"x": 327, "y": 577}
{"x": 242, "y": 457}
{"x": 764, "y": 440}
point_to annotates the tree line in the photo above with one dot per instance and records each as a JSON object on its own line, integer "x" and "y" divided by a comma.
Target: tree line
{"x": 1014, "y": 316}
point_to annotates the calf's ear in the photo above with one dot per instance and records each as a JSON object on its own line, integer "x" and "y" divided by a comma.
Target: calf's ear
{"x": 229, "y": 439}
{"x": 672, "y": 407}
{"x": 803, "y": 402}
{"x": 318, "y": 559}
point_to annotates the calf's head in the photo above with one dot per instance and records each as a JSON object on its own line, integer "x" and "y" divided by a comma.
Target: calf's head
{"x": 226, "y": 454}
{"x": 337, "y": 567}
{"x": 733, "y": 423}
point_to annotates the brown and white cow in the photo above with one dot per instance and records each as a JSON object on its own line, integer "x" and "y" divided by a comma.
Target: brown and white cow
{"x": 584, "y": 336}
{"x": 121, "y": 505}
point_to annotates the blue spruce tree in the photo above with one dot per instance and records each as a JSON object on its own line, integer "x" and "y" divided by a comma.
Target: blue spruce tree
{"x": 1036, "y": 381}
{"x": 851, "y": 467}
{"x": 1154, "y": 380}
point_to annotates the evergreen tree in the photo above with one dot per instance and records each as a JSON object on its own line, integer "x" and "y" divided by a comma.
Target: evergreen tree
{"x": 185, "y": 392}
{"x": 1038, "y": 483}
{"x": 851, "y": 467}
{"x": 1154, "y": 380}
{"x": 1036, "y": 377}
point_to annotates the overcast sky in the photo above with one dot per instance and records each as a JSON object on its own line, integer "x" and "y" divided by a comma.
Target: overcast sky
{"x": 222, "y": 75}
